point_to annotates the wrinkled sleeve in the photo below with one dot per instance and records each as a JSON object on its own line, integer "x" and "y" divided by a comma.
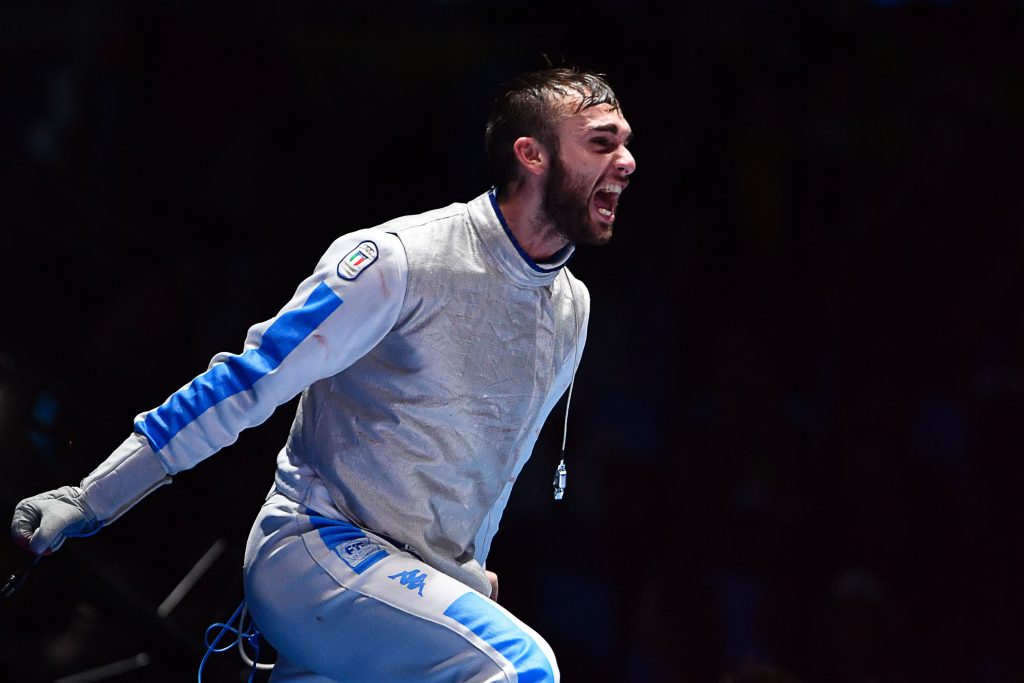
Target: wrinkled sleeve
{"x": 338, "y": 314}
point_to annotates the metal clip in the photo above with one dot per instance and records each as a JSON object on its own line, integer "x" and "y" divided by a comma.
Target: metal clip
{"x": 560, "y": 478}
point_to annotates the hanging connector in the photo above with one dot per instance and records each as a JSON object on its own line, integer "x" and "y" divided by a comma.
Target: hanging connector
{"x": 560, "y": 478}
{"x": 560, "y": 471}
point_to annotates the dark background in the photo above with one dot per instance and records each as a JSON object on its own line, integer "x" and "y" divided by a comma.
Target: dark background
{"x": 796, "y": 433}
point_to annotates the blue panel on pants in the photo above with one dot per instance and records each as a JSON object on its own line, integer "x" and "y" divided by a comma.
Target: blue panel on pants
{"x": 348, "y": 542}
{"x": 482, "y": 618}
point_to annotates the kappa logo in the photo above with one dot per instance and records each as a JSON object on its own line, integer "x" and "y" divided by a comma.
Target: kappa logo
{"x": 358, "y": 260}
{"x": 412, "y": 580}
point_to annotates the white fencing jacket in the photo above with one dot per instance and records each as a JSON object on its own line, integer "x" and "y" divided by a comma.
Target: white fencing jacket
{"x": 429, "y": 351}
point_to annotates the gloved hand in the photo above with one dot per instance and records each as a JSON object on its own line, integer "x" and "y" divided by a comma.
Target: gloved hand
{"x": 41, "y": 523}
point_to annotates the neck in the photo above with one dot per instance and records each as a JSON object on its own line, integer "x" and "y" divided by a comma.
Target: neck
{"x": 527, "y": 221}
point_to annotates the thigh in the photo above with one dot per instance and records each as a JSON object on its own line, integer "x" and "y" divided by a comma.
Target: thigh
{"x": 286, "y": 671}
{"x": 351, "y": 607}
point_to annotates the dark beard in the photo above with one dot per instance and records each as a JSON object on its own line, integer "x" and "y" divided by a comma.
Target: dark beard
{"x": 567, "y": 205}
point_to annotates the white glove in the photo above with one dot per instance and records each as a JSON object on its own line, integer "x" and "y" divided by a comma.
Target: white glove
{"x": 132, "y": 471}
{"x": 42, "y": 522}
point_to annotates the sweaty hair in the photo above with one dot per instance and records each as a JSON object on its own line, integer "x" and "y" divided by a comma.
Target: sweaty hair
{"x": 531, "y": 105}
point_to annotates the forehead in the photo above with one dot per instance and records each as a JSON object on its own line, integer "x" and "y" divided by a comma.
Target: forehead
{"x": 600, "y": 117}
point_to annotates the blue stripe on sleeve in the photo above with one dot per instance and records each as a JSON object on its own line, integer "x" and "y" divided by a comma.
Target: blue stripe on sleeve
{"x": 238, "y": 373}
{"x": 489, "y": 623}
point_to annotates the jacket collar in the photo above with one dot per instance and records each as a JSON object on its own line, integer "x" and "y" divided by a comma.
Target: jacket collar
{"x": 501, "y": 244}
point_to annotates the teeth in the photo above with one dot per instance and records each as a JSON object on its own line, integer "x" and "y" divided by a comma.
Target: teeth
{"x": 614, "y": 189}
{"x": 604, "y": 212}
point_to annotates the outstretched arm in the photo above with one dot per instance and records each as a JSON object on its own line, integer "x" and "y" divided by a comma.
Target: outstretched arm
{"x": 336, "y": 316}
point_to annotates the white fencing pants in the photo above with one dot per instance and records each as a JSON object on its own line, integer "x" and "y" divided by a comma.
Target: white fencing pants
{"x": 340, "y": 604}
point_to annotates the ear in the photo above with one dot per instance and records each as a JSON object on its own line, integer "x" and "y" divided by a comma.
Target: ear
{"x": 531, "y": 154}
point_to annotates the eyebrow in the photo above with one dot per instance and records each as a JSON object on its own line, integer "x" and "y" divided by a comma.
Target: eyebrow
{"x": 609, "y": 128}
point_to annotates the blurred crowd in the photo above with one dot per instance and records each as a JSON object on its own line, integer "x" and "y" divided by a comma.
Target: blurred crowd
{"x": 793, "y": 445}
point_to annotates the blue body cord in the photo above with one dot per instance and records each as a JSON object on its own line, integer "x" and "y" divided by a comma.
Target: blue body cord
{"x": 252, "y": 636}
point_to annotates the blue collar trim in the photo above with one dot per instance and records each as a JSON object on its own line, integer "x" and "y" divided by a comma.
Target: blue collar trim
{"x": 562, "y": 256}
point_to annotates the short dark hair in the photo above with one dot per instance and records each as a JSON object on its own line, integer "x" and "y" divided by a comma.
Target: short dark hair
{"x": 530, "y": 105}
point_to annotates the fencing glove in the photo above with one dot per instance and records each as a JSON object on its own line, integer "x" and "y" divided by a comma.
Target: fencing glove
{"x": 42, "y": 523}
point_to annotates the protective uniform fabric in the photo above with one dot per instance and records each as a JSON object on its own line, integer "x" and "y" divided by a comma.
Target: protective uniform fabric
{"x": 352, "y": 607}
{"x": 422, "y": 438}
{"x": 429, "y": 351}
{"x": 430, "y": 373}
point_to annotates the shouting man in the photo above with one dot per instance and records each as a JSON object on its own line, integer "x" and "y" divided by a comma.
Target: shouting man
{"x": 429, "y": 351}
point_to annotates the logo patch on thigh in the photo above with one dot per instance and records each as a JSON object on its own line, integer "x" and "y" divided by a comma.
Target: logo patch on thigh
{"x": 360, "y": 554}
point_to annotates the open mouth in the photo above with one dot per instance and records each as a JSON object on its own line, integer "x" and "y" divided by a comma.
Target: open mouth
{"x": 606, "y": 198}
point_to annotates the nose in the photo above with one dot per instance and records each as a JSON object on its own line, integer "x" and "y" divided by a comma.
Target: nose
{"x": 625, "y": 164}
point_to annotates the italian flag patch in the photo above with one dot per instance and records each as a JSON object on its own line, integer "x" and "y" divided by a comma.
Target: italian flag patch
{"x": 357, "y": 260}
